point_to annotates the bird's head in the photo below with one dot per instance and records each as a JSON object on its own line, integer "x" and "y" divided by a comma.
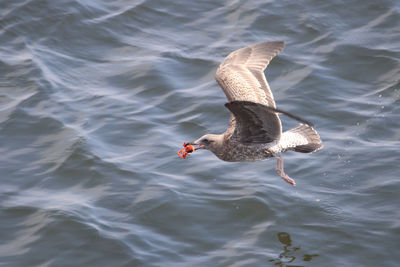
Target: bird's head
{"x": 209, "y": 141}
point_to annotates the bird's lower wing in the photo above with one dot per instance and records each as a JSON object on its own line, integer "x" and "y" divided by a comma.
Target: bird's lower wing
{"x": 254, "y": 122}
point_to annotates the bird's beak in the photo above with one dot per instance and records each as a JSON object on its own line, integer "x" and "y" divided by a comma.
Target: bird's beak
{"x": 196, "y": 145}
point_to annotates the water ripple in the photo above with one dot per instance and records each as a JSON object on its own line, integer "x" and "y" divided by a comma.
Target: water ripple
{"x": 97, "y": 97}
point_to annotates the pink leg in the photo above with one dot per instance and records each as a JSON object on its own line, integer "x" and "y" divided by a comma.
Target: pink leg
{"x": 282, "y": 174}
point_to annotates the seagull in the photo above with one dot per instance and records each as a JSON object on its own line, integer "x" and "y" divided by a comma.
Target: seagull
{"x": 255, "y": 129}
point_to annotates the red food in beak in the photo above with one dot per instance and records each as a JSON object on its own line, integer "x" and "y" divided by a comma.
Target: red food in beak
{"x": 185, "y": 150}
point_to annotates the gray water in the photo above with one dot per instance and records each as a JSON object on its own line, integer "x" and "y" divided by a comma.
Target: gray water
{"x": 97, "y": 97}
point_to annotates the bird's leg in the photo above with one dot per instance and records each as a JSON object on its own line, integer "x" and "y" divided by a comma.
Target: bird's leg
{"x": 282, "y": 174}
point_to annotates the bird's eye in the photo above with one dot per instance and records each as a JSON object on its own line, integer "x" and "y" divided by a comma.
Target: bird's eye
{"x": 207, "y": 141}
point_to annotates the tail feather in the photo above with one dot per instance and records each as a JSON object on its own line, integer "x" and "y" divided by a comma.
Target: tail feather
{"x": 302, "y": 138}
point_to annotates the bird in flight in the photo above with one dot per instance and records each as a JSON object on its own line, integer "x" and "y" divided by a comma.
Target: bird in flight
{"x": 255, "y": 130}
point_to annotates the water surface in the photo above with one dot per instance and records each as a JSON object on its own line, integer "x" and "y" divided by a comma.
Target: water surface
{"x": 96, "y": 98}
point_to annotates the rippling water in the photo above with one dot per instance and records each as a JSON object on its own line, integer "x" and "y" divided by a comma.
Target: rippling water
{"x": 97, "y": 96}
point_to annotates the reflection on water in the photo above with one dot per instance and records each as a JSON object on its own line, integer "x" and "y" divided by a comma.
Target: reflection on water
{"x": 289, "y": 253}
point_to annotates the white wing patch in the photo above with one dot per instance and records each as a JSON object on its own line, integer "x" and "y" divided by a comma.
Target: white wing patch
{"x": 300, "y": 135}
{"x": 292, "y": 139}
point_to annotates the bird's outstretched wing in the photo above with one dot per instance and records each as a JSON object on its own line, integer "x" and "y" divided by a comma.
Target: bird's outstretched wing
{"x": 241, "y": 77}
{"x": 241, "y": 74}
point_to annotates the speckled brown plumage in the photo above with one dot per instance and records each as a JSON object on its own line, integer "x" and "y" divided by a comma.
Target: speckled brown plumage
{"x": 255, "y": 130}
